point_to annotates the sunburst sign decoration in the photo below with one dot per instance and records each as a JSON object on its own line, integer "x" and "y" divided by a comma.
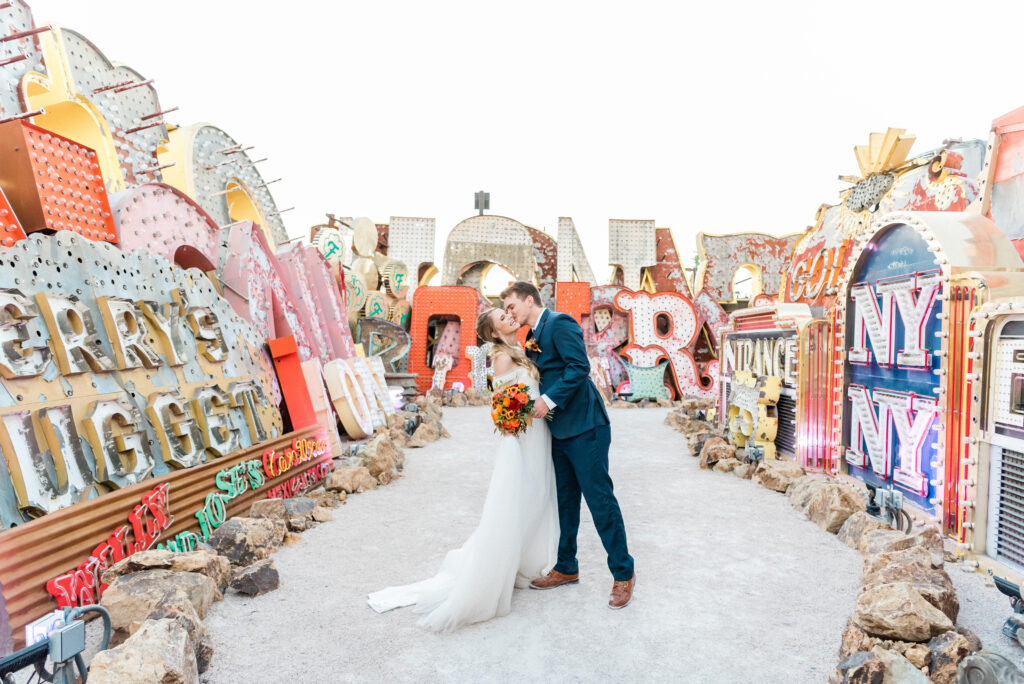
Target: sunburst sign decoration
{"x": 879, "y": 161}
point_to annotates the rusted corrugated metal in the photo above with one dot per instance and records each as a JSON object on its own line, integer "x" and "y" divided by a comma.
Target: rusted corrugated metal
{"x": 35, "y": 552}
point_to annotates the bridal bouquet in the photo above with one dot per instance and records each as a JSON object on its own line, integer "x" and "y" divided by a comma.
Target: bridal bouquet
{"x": 511, "y": 409}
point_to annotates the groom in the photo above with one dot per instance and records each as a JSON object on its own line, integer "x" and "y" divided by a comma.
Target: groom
{"x": 580, "y": 436}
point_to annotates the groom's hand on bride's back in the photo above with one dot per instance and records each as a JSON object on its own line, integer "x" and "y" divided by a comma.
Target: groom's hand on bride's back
{"x": 540, "y": 408}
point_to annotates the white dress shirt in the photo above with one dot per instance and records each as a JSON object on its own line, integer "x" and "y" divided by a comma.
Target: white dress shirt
{"x": 546, "y": 398}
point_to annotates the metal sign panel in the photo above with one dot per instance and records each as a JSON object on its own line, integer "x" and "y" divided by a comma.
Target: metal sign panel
{"x": 891, "y": 405}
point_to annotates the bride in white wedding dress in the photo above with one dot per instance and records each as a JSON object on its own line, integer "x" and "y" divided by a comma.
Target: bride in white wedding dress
{"x": 517, "y": 538}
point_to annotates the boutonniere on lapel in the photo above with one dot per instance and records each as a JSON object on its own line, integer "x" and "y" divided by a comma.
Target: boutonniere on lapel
{"x": 531, "y": 345}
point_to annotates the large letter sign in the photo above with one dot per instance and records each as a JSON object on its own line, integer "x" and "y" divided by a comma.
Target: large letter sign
{"x": 877, "y": 325}
{"x": 678, "y": 317}
{"x": 891, "y": 402}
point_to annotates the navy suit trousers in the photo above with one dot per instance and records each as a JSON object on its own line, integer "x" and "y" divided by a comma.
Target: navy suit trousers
{"x": 581, "y": 469}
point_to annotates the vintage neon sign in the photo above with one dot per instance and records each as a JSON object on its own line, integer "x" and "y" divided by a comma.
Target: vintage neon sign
{"x": 232, "y": 482}
{"x": 301, "y": 482}
{"x": 58, "y": 450}
{"x": 908, "y": 416}
{"x": 877, "y": 326}
{"x": 749, "y": 400}
{"x": 301, "y": 451}
{"x": 676, "y": 315}
{"x": 892, "y": 316}
{"x": 83, "y": 585}
{"x": 770, "y": 356}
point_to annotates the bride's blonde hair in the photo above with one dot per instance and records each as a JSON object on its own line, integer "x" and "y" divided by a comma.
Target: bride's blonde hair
{"x": 486, "y": 331}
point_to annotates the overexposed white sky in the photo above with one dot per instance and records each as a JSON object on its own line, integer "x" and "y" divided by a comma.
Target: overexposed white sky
{"x": 716, "y": 116}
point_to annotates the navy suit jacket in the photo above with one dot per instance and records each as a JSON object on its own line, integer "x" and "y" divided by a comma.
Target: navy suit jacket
{"x": 565, "y": 376}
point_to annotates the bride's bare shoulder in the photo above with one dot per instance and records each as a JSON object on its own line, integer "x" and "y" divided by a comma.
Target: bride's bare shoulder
{"x": 502, "y": 363}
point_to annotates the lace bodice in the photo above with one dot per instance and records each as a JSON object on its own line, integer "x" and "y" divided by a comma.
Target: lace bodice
{"x": 518, "y": 374}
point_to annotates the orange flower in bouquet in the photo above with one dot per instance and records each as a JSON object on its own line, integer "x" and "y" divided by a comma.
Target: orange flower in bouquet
{"x": 511, "y": 409}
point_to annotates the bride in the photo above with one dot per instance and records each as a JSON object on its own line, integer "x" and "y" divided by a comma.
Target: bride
{"x": 517, "y": 538}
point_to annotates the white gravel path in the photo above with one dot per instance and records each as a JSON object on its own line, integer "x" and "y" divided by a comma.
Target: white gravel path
{"x": 733, "y": 586}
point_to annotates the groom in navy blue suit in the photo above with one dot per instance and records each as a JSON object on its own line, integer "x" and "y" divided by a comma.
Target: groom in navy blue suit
{"x": 580, "y": 436}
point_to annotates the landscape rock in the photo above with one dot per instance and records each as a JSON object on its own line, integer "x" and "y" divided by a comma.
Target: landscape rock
{"x": 322, "y": 514}
{"x": 291, "y": 538}
{"x": 744, "y": 470}
{"x": 397, "y": 419}
{"x": 710, "y": 455}
{"x": 930, "y": 537}
{"x": 693, "y": 405}
{"x": 399, "y": 437}
{"x": 831, "y": 505}
{"x": 855, "y": 640}
{"x": 882, "y": 541}
{"x": 690, "y": 426}
{"x": 856, "y": 526}
{"x": 877, "y": 666}
{"x": 300, "y": 506}
{"x": 712, "y": 451}
{"x": 973, "y": 642}
{"x": 324, "y": 499}
{"x": 176, "y": 606}
{"x": 726, "y": 465}
{"x": 130, "y": 599}
{"x": 898, "y": 611}
{"x": 695, "y": 441}
{"x": 424, "y": 435}
{"x": 351, "y": 480}
{"x": 300, "y": 513}
{"x": 915, "y": 565}
{"x": 205, "y": 562}
{"x": 246, "y": 540}
{"x": 384, "y": 478}
{"x": 257, "y": 579}
{"x": 918, "y": 655}
{"x": 899, "y": 668}
{"x": 160, "y": 652}
{"x": 802, "y": 489}
{"x": 381, "y": 455}
{"x": 777, "y": 475}
{"x": 862, "y": 667}
{"x": 429, "y": 408}
{"x": 268, "y": 508}
{"x": 476, "y": 398}
{"x": 947, "y": 650}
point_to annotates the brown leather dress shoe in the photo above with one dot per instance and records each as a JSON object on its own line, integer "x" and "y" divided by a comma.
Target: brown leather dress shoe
{"x": 554, "y": 579}
{"x": 622, "y": 593}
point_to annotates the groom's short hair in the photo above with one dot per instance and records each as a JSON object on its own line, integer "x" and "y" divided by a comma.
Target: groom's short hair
{"x": 522, "y": 289}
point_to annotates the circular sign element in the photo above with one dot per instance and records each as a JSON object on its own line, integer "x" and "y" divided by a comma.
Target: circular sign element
{"x": 355, "y": 288}
{"x": 376, "y": 305}
{"x": 396, "y": 279}
{"x": 364, "y": 237}
{"x": 400, "y": 313}
{"x": 367, "y": 270}
{"x": 331, "y": 244}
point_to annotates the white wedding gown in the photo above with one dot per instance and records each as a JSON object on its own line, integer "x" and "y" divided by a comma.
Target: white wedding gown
{"x": 516, "y": 540}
